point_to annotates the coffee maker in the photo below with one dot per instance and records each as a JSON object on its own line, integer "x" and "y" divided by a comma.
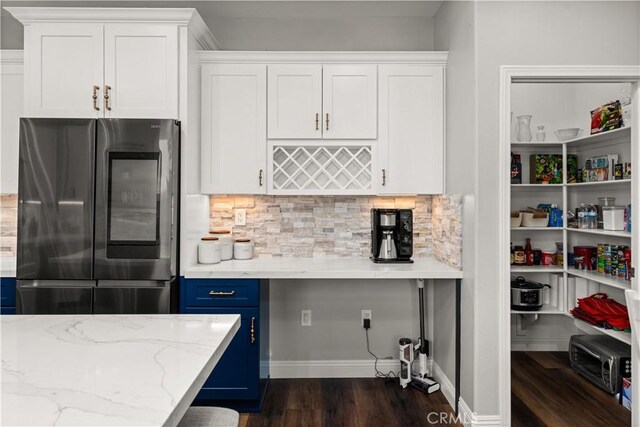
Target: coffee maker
{"x": 391, "y": 235}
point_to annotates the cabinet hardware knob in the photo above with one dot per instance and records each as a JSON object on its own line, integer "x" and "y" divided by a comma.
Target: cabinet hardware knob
{"x": 95, "y": 97}
{"x": 253, "y": 330}
{"x": 222, "y": 293}
{"x": 107, "y": 88}
{"x": 327, "y": 121}
{"x": 384, "y": 176}
{"x": 317, "y": 121}
{"x": 260, "y": 177}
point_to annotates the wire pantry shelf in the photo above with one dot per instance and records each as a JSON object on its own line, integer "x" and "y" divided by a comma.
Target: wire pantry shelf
{"x": 322, "y": 168}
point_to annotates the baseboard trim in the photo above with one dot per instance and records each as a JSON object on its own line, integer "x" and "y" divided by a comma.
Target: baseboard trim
{"x": 540, "y": 344}
{"x": 330, "y": 368}
{"x": 467, "y": 417}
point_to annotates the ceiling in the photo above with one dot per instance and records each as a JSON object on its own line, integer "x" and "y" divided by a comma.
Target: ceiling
{"x": 286, "y": 25}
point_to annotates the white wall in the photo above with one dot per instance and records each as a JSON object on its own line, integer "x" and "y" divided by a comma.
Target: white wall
{"x": 284, "y": 25}
{"x": 455, "y": 32}
{"x": 528, "y": 33}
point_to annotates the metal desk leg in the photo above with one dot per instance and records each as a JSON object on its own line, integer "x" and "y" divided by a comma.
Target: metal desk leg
{"x": 457, "y": 378}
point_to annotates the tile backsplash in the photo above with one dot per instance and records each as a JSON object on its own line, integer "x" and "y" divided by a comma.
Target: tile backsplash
{"x": 8, "y": 224}
{"x": 317, "y": 226}
{"x": 312, "y": 226}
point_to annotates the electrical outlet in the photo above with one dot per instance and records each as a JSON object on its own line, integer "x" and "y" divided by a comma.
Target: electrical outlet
{"x": 306, "y": 318}
{"x": 241, "y": 217}
{"x": 366, "y": 314}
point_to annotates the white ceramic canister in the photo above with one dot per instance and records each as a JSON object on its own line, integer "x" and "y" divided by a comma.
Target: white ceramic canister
{"x": 226, "y": 243}
{"x": 243, "y": 249}
{"x": 209, "y": 250}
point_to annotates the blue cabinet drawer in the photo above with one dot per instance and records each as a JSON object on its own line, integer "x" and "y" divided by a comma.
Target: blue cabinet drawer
{"x": 236, "y": 375}
{"x": 222, "y": 293}
{"x": 7, "y": 310}
{"x": 7, "y": 292}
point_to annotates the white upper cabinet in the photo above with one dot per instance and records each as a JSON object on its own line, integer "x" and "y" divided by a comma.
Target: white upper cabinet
{"x": 64, "y": 70}
{"x": 411, "y": 140}
{"x": 313, "y": 101}
{"x": 103, "y": 62}
{"x": 349, "y": 101}
{"x": 295, "y": 101}
{"x": 141, "y": 71}
{"x": 12, "y": 97}
{"x": 234, "y": 128}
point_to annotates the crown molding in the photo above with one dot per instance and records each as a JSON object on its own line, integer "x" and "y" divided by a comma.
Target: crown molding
{"x": 11, "y": 56}
{"x": 177, "y": 16}
{"x": 373, "y": 57}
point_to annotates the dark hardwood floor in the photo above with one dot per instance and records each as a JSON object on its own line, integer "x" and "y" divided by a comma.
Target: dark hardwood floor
{"x": 349, "y": 402}
{"x": 546, "y": 392}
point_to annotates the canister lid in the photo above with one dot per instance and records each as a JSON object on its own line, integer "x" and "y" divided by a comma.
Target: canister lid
{"x": 219, "y": 232}
{"x": 209, "y": 238}
{"x": 613, "y": 208}
{"x": 243, "y": 240}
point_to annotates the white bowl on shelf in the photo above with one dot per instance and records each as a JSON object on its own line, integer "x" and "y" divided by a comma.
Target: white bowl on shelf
{"x": 516, "y": 221}
{"x": 568, "y": 133}
{"x": 529, "y": 221}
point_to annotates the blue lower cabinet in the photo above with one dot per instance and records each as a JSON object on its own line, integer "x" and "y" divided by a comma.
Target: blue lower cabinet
{"x": 7, "y": 295}
{"x": 240, "y": 378}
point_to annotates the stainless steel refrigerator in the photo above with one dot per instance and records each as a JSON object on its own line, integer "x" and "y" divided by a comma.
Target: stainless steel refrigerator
{"x": 97, "y": 215}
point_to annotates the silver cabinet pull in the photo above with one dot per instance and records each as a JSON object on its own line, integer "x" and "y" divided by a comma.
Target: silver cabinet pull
{"x": 222, "y": 293}
{"x": 327, "y": 121}
{"x": 317, "y": 121}
{"x": 253, "y": 330}
{"x": 384, "y": 176}
{"x": 260, "y": 177}
{"x": 95, "y": 97}
{"x": 107, "y": 88}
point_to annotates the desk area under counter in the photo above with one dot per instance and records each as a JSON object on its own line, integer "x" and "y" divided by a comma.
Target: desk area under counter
{"x": 322, "y": 268}
{"x": 243, "y": 286}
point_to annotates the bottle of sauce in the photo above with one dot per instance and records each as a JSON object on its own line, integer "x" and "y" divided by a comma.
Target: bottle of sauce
{"x": 518, "y": 256}
{"x": 528, "y": 252}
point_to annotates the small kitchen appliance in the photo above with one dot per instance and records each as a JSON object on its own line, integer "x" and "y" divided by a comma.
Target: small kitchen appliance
{"x": 391, "y": 235}
{"x": 526, "y": 295}
{"x": 601, "y": 359}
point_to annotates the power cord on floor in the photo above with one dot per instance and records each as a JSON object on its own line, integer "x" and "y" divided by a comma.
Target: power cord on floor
{"x": 388, "y": 376}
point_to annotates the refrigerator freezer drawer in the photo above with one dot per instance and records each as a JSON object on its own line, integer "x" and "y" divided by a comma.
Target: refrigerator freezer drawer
{"x": 33, "y": 297}
{"x": 117, "y": 299}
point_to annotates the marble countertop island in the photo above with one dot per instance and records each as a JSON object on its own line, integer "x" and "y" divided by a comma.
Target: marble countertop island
{"x": 7, "y": 266}
{"x": 322, "y": 268}
{"x": 91, "y": 370}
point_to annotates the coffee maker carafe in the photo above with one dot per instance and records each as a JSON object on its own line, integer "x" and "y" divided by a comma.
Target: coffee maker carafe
{"x": 391, "y": 235}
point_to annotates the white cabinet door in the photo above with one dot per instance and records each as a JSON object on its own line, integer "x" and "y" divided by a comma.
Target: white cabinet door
{"x": 141, "y": 69}
{"x": 411, "y": 139}
{"x": 234, "y": 129}
{"x": 63, "y": 64}
{"x": 12, "y": 99}
{"x": 349, "y": 101}
{"x": 295, "y": 101}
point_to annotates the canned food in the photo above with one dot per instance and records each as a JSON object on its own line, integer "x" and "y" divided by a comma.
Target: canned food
{"x": 578, "y": 262}
{"x": 627, "y": 262}
{"x": 600, "y": 258}
{"x": 547, "y": 257}
{"x": 607, "y": 259}
{"x": 614, "y": 260}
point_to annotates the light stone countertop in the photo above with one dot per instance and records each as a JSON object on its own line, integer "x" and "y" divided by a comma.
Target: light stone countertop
{"x": 107, "y": 369}
{"x": 321, "y": 268}
{"x": 8, "y": 266}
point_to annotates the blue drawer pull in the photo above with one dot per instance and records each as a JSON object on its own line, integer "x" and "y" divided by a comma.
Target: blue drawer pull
{"x": 222, "y": 294}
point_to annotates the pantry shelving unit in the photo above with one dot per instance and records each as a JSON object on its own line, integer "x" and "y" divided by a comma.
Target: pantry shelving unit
{"x": 575, "y": 283}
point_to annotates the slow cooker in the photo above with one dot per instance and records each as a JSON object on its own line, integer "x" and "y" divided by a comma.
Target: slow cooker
{"x": 525, "y": 295}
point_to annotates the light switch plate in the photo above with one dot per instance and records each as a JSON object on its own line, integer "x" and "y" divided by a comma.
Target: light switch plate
{"x": 241, "y": 217}
{"x": 305, "y": 318}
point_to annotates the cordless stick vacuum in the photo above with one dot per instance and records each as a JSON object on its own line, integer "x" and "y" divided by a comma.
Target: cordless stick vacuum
{"x": 408, "y": 351}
